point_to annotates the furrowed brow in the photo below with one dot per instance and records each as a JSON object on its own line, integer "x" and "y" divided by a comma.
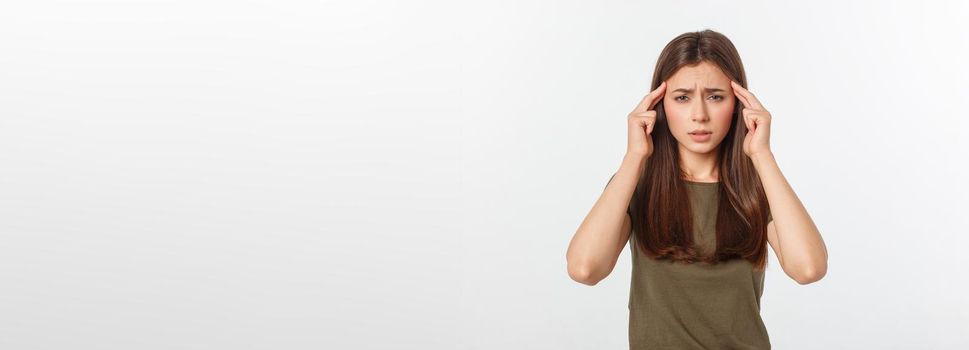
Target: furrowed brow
{"x": 707, "y": 90}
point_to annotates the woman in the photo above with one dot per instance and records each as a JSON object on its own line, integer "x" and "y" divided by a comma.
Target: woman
{"x": 695, "y": 197}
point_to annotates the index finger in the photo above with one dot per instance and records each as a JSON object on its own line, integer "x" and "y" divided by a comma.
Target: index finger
{"x": 751, "y": 100}
{"x": 652, "y": 98}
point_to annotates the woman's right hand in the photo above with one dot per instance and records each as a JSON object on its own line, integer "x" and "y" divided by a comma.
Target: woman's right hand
{"x": 641, "y": 122}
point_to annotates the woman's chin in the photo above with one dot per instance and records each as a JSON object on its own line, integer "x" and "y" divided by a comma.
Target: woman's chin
{"x": 699, "y": 148}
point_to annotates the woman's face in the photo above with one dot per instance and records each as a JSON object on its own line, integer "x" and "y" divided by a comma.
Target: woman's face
{"x": 699, "y": 98}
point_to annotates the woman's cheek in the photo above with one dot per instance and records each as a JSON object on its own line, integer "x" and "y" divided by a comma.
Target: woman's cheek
{"x": 725, "y": 112}
{"x": 675, "y": 119}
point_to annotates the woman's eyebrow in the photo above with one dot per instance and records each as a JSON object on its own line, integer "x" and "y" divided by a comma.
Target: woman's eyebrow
{"x": 707, "y": 90}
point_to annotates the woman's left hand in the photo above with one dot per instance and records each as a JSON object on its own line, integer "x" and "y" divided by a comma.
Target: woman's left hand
{"x": 757, "y": 141}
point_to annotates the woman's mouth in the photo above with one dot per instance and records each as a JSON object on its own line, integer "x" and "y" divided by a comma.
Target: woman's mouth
{"x": 701, "y": 136}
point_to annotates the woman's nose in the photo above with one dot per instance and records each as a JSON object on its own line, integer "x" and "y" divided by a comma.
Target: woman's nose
{"x": 699, "y": 113}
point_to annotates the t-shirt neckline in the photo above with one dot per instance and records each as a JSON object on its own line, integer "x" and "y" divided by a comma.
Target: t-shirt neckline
{"x": 702, "y": 183}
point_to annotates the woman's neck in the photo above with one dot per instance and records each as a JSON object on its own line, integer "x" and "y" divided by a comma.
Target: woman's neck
{"x": 700, "y": 167}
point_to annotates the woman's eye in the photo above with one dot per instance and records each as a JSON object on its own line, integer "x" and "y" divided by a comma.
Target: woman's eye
{"x": 684, "y": 98}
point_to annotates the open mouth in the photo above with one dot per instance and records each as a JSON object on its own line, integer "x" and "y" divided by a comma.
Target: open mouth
{"x": 701, "y": 136}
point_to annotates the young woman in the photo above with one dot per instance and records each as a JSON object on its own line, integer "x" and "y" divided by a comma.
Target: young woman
{"x": 695, "y": 197}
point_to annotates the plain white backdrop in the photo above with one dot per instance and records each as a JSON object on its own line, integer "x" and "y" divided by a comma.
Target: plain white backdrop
{"x": 374, "y": 175}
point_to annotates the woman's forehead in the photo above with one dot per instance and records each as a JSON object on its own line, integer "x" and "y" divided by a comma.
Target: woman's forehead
{"x": 703, "y": 75}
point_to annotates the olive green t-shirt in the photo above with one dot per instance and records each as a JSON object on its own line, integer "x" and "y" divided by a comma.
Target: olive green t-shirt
{"x": 696, "y": 306}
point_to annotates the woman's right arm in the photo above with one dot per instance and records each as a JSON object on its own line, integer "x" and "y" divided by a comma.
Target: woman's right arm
{"x": 603, "y": 234}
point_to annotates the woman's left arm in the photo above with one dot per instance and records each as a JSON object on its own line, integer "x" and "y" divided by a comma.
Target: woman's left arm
{"x": 792, "y": 234}
{"x": 795, "y": 238}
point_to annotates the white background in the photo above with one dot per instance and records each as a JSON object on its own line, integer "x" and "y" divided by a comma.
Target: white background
{"x": 375, "y": 175}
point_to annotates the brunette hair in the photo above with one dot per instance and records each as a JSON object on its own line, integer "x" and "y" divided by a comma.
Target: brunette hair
{"x": 660, "y": 208}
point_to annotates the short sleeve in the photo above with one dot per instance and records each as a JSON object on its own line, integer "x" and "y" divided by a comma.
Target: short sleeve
{"x": 628, "y": 207}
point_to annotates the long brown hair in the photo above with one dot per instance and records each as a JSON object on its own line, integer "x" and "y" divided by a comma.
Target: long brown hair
{"x": 660, "y": 207}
